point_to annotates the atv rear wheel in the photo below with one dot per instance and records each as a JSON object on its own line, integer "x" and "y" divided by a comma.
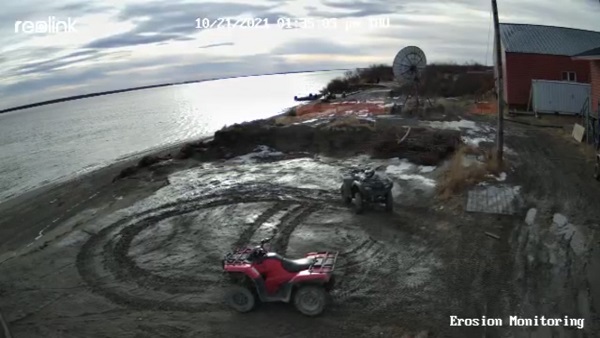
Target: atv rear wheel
{"x": 240, "y": 299}
{"x": 597, "y": 170}
{"x": 358, "y": 203}
{"x": 346, "y": 197}
{"x": 310, "y": 300}
{"x": 389, "y": 202}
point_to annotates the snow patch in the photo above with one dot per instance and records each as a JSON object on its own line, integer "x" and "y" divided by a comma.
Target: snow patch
{"x": 399, "y": 169}
{"x": 499, "y": 178}
{"x": 404, "y": 170}
{"x": 403, "y": 166}
{"x": 259, "y": 153}
{"x": 474, "y": 141}
{"x": 509, "y": 151}
{"x": 424, "y": 180}
{"x": 454, "y": 125}
{"x": 314, "y": 173}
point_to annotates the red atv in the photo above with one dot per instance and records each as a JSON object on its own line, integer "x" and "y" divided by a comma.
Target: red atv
{"x": 258, "y": 273}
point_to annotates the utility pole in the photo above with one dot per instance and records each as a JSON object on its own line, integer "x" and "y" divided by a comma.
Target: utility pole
{"x": 499, "y": 86}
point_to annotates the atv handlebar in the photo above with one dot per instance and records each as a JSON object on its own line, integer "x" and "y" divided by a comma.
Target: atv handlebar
{"x": 248, "y": 253}
{"x": 264, "y": 241}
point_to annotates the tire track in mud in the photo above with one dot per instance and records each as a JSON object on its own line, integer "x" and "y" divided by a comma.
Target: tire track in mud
{"x": 246, "y": 235}
{"x": 288, "y": 224}
{"x": 105, "y": 255}
{"x": 398, "y": 280}
{"x": 380, "y": 281}
{"x": 382, "y": 270}
{"x": 372, "y": 275}
{"x": 356, "y": 264}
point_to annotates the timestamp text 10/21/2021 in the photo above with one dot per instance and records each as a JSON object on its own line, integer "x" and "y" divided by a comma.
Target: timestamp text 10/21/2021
{"x": 288, "y": 23}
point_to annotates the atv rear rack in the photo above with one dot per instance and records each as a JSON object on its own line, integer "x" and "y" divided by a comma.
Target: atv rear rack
{"x": 325, "y": 262}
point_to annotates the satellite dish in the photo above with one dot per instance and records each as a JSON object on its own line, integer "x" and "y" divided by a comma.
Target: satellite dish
{"x": 409, "y": 64}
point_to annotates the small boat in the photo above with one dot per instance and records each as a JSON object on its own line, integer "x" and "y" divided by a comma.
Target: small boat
{"x": 310, "y": 97}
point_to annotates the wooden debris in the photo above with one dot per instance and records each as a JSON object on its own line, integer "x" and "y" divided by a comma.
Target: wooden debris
{"x": 492, "y": 235}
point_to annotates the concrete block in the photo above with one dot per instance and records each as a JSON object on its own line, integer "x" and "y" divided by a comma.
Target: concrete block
{"x": 578, "y": 132}
{"x": 530, "y": 217}
{"x": 560, "y": 220}
{"x": 578, "y": 243}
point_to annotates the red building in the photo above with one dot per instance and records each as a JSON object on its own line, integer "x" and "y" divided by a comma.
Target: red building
{"x": 534, "y": 52}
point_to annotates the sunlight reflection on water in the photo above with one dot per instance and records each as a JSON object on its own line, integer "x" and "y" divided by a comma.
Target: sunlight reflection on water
{"x": 53, "y": 142}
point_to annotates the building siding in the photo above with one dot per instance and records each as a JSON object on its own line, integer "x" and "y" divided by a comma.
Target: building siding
{"x": 522, "y": 68}
{"x": 595, "y": 82}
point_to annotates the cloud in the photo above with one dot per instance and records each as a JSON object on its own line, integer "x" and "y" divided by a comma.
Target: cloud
{"x": 217, "y": 45}
{"x": 135, "y": 43}
{"x": 129, "y": 39}
{"x": 172, "y": 21}
{"x": 355, "y": 8}
{"x": 82, "y": 8}
{"x": 314, "y": 46}
{"x": 47, "y": 66}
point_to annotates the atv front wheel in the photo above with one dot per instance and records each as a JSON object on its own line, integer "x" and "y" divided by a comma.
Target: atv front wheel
{"x": 389, "y": 202}
{"x": 310, "y": 300}
{"x": 358, "y": 203}
{"x": 240, "y": 299}
{"x": 597, "y": 171}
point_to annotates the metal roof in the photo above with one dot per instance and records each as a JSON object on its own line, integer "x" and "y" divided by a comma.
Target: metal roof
{"x": 591, "y": 52}
{"x": 536, "y": 39}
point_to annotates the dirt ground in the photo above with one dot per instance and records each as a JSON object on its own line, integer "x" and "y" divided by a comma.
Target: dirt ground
{"x": 154, "y": 270}
{"x": 142, "y": 257}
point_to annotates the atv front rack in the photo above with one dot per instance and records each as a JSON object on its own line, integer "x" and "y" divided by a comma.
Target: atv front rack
{"x": 237, "y": 257}
{"x": 324, "y": 263}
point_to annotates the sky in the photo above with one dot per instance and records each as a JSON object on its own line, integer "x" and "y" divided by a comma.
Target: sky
{"x": 115, "y": 44}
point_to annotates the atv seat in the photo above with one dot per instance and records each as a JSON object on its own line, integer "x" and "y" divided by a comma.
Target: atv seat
{"x": 293, "y": 265}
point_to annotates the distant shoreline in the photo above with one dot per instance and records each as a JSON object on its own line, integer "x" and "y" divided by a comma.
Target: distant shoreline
{"x": 85, "y": 96}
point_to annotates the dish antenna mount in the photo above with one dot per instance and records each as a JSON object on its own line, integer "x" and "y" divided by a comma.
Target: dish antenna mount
{"x": 408, "y": 67}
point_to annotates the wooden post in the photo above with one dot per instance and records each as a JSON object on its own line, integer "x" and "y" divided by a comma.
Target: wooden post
{"x": 499, "y": 86}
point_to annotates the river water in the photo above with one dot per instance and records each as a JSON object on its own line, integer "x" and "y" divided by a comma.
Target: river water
{"x": 50, "y": 143}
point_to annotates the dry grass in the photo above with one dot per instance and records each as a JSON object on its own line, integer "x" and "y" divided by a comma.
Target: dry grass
{"x": 349, "y": 122}
{"x": 286, "y": 120}
{"x": 459, "y": 177}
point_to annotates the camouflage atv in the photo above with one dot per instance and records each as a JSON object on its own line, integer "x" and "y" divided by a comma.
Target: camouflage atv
{"x": 365, "y": 188}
